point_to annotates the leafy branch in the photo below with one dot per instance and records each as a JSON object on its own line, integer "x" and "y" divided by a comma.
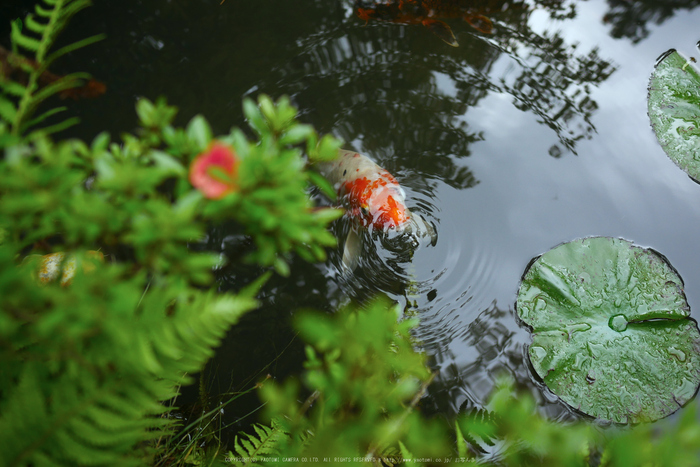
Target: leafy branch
{"x": 37, "y": 35}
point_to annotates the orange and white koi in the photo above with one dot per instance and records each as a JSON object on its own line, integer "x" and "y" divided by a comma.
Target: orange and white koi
{"x": 374, "y": 199}
{"x": 430, "y": 12}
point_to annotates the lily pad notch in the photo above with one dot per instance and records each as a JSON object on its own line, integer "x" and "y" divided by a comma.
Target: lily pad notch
{"x": 611, "y": 330}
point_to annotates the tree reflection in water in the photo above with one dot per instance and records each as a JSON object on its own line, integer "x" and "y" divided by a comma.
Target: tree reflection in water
{"x": 395, "y": 90}
{"x": 491, "y": 346}
{"x": 630, "y": 19}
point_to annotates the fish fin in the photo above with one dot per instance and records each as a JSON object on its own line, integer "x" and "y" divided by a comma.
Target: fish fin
{"x": 479, "y": 22}
{"x": 352, "y": 250}
{"x": 442, "y": 30}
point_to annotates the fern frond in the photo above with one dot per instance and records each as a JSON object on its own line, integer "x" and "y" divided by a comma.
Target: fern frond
{"x": 45, "y": 115}
{"x": 252, "y": 448}
{"x": 74, "y": 46}
{"x": 37, "y": 34}
{"x": 20, "y": 39}
{"x": 390, "y": 456}
{"x": 60, "y": 126}
{"x": 13, "y": 88}
{"x": 479, "y": 427}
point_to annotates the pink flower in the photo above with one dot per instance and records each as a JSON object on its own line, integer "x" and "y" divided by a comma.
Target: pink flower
{"x": 214, "y": 171}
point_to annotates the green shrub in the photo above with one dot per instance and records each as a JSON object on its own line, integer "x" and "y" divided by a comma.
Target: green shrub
{"x": 86, "y": 365}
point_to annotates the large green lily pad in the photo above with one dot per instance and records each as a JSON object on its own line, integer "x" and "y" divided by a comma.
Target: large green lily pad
{"x": 674, "y": 110}
{"x": 611, "y": 333}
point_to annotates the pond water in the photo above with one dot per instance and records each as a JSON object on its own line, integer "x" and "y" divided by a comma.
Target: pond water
{"x": 511, "y": 144}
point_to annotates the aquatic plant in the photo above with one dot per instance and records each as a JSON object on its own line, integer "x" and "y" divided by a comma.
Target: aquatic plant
{"x": 611, "y": 334}
{"x": 674, "y": 110}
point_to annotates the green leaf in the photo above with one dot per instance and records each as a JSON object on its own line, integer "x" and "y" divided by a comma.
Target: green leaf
{"x": 461, "y": 442}
{"x": 145, "y": 110}
{"x": 34, "y": 25}
{"x": 22, "y": 40}
{"x": 58, "y": 127}
{"x": 674, "y": 110}
{"x": 328, "y": 148}
{"x": 168, "y": 163}
{"x": 7, "y": 110}
{"x": 296, "y": 134}
{"x": 321, "y": 182}
{"x": 74, "y": 46}
{"x": 268, "y": 109}
{"x": 16, "y": 89}
{"x": 199, "y": 132}
{"x": 100, "y": 142}
{"x": 44, "y": 116}
{"x": 611, "y": 334}
{"x": 254, "y": 117}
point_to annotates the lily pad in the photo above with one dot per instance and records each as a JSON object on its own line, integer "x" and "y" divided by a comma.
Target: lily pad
{"x": 611, "y": 333}
{"x": 674, "y": 110}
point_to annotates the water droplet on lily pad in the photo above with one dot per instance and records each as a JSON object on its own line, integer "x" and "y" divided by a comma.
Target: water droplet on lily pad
{"x": 618, "y": 323}
{"x": 538, "y": 352}
{"x": 678, "y": 353}
{"x": 619, "y": 345}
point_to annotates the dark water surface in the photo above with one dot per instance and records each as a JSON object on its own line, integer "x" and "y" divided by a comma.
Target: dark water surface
{"x": 511, "y": 143}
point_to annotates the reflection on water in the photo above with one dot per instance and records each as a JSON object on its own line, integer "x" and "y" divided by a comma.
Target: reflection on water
{"x": 415, "y": 105}
{"x": 396, "y": 91}
{"x": 631, "y": 19}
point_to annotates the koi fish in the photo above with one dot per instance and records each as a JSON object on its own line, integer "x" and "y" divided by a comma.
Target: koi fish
{"x": 374, "y": 200}
{"x": 429, "y": 12}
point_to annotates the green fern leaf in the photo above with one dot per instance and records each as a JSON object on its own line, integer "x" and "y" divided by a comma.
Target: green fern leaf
{"x": 461, "y": 443}
{"x": 25, "y": 41}
{"x": 8, "y": 111}
{"x": 74, "y": 46}
{"x": 33, "y": 25}
{"x": 405, "y": 453}
{"x": 251, "y": 448}
{"x": 47, "y": 22}
{"x": 479, "y": 426}
{"x": 44, "y": 116}
{"x": 13, "y": 88}
{"x": 58, "y": 127}
{"x": 42, "y": 12}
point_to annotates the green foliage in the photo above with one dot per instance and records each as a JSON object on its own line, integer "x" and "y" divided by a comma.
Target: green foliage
{"x": 37, "y": 35}
{"x": 250, "y": 449}
{"x": 362, "y": 384}
{"x": 282, "y": 220}
{"x": 86, "y": 366}
{"x": 359, "y": 401}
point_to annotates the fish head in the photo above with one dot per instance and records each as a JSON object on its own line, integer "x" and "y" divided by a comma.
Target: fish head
{"x": 379, "y": 203}
{"x": 387, "y": 210}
